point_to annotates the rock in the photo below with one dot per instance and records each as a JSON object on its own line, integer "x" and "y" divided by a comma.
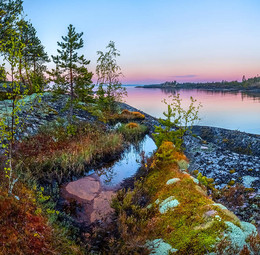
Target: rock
{"x": 172, "y": 181}
{"x": 159, "y": 247}
{"x": 101, "y": 206}
{"x": 167, "y": 204}
{"x": 248, "y": 180}
{"x": 210, "y": 213}
{"x": 183, "y": 164}
{"x": 86, "y": 188}
{"x": 238, "y": 235}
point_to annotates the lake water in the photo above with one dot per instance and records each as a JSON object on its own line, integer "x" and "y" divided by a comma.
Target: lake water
{"x": 230, "y": 110}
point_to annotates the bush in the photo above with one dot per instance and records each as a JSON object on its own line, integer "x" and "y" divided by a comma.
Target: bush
{"x": 132, "y": 131}
{"x": 177, "y": 122}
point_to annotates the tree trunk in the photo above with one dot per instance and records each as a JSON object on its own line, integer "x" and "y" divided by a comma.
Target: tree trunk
{"x": 71, "y": 90}
{"x": 20, "y": 71}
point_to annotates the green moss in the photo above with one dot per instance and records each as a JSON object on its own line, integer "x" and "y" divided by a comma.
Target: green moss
{"x": 184, "y": 224}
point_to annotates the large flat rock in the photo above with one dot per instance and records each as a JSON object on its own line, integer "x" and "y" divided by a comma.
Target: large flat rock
{"x": 86, "y": 188}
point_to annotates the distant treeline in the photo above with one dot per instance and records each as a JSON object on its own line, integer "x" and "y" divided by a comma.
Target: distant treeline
{"x": 251, "y": 83}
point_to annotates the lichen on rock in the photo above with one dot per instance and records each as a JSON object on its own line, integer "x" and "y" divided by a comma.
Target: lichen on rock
{"x": 159, "y": 247}
{"x": 172, "y": 181}
{"x": 167, "y": 204}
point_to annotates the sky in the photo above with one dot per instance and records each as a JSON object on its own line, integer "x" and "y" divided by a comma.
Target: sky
{"x": 159, "y": 40}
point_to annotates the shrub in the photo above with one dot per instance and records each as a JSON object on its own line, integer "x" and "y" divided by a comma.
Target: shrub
{"x": 131, "y": 115}
{"x": 132, "y": 131}
{"x": 177, "y": 122}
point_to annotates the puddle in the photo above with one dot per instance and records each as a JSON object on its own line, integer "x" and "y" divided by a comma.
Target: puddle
{"x": 89, "y": 197}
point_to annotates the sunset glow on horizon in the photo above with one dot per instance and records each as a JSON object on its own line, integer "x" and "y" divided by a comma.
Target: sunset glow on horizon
{"x": 159, "y": 41}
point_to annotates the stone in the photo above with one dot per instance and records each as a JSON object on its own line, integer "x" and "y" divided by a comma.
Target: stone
{"x": 159, "y": 247}
{"x": 101, "y": 206}
{"x": 248, "y": 180}
{"x": 86, "y": 188}
{"x": 172, "y": 181}
{"x": 167, "y": 204}
{"x": 210, "y": 213}
{"x": 237, "y": 235}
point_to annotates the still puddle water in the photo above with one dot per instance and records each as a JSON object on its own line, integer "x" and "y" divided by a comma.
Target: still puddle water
{"x": 112, "y": 176}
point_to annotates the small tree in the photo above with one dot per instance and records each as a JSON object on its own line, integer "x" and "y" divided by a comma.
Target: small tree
{"x": 110, "y": 89}
{"x": 178, "y": 121}
{"x": 10, "y": 123}
{"x": 71, "y": 74}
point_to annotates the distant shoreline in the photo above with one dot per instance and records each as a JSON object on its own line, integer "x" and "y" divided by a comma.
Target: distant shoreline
{"x": 198, "y": 86}
{"x": 252, "y": 85}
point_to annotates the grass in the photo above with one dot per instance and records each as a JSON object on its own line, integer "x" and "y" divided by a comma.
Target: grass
{"x": 124, "y": 116}
{"x": 132, "y": 131}
{"x": 55, "y": 154}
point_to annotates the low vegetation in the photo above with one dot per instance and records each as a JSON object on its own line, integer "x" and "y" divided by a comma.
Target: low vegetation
{"x": 125, "y": 116}
{"x": 168, "y": 204}
{"x": 24, "y": 229}
{"x": 132, "y": 131}
{"x": 57, "y": 152}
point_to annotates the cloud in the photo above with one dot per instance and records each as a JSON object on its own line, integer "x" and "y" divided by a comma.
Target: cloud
{"x": 184, "y": 76}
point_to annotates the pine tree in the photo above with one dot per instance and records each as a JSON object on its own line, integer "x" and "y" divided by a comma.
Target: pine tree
{"x": 34, "y": 57}
{"x": 110, "y": 89}
{"x": 10, "y": 10}
{"x": 71, "y": 73}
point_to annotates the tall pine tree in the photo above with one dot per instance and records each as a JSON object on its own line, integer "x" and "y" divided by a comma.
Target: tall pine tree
{"x": 71, "y": 73}
{"x": 34, "y": 57}
{"x": 10, "y": 10}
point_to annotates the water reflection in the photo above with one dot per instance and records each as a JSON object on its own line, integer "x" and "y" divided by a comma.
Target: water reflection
{"x": 113, "y": 174}
{"x": 225, "y": 109}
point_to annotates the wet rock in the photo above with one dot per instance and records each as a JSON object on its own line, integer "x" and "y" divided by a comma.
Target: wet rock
{"x": 101, "y": 206}
{"x": 86, "y": 188}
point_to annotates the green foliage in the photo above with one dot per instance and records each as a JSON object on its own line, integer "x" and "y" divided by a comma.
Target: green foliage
{"x": 10, "y": 11}
{"x": 202, "y": 179}
{"x": 110, "y": 89}
{"x": 178, "y": 121}
{"x": 71, "y": 74}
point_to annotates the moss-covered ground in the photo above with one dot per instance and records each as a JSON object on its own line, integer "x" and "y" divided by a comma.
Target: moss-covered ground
{"x": 180, "y": 213}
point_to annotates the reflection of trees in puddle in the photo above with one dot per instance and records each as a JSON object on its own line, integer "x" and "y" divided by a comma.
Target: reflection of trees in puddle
{"x": 133, "y": 152}
{"x": 107, "y": 173}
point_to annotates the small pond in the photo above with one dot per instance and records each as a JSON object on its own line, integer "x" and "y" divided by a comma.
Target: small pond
{"x": 94, "y": 192}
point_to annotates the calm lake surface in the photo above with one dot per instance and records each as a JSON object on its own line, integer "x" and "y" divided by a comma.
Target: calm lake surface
{"x": 230, "y": 110}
